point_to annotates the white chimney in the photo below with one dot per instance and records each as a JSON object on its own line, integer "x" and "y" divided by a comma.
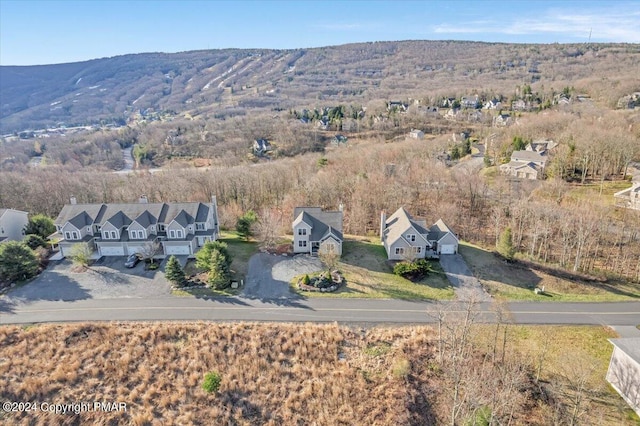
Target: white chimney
{"x": 73, "y": 200}
{"x": 383, "y": 220}
{"x": 341, "y": 207}
{"x": 143, "y": 199}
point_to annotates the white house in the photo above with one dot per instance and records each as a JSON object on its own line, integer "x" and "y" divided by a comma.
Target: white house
{"x": 624, "y": 370}
{"x": 405, "y": 238}
{"x": 12, "y": 224}
{"x": 629, "y": 198}
{"x": 124, "y": 229}
{"x": 416, "y": 134}
{"x": 316, "y": 231}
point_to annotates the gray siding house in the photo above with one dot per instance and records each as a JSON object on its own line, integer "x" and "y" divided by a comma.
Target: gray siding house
{"x": 12, "y": 224}
{"x": 124, "y": 229}
{"x": 405, "y": 238}
{"x": 316, "y": 231}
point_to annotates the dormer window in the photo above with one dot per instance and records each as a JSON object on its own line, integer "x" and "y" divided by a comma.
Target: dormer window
{"x": 161, "y": 228}
{"x": 411, "y": 237}
{"x": 200, "y": 227}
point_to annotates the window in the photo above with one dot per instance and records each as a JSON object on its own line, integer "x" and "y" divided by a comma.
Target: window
{"x": 75, "y": 235}
{"x": 172, "y": 233}
{"x": 141, "y": 235}
{"x": 161, "y": 228}
{"x": 302, "y": 243}
{"x": 302, "y": 231}
{"x": 330, "y": 247}
{"x": 88, "y": 229}
{"x": 417, "y": 250}
{"x": 399, "y": 250}
{"x": 199, "y": 226}
{"x": 114, "y": 236}
{"x": 179, "y": 233}
{"x": 67, "y": 235}
{"x": 411, "y": 237}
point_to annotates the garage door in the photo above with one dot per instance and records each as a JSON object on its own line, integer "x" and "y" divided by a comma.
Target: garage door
{"x": 135, "y": 249}
{"x": 112, "y": 251}
{"x": 447, "y": 249}
{"x": 177, "y": 250}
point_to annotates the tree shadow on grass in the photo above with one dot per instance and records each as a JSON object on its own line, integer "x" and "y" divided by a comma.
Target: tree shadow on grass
{"x": 240, "y": 402}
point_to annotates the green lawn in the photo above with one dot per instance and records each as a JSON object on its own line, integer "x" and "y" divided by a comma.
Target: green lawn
{"x": 516, "y": 282}
{"x": 368, "y": 275}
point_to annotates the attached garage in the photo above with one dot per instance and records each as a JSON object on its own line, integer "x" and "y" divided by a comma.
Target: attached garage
{"x": 447, "y": 249}
{"x": 448, "y": 244}
{"x": 135, "y": 249}
{"x": 112, "y": 251}
{"x": 177, "y": 250}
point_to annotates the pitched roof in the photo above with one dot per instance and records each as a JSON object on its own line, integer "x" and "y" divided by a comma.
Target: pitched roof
{"x": 528, "y": 156}
{"x": 157, "y": 213}
{"x": 322, "y": 223}
{"x": 398, "y": 223}
{"x": 630, "y": 346}
{"x": 439, "y": 230}
{"x": 145, "y": 219}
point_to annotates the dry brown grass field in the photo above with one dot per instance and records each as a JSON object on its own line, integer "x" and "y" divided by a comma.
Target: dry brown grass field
{"x": 295, "y": 374}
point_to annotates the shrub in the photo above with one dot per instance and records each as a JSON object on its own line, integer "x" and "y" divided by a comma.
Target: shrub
{"x": 80, "y": 254}
{"x": 306, "y": 280}
{"x": 212, "y": 382}
{"x": 412, "y": 270}
{"x": 17, "y": 261}
{"x": 401, "y": 368}
{"x": 40, "y": 225}
{"x": 34, "y": 241}
{"x": 505, "y": 245}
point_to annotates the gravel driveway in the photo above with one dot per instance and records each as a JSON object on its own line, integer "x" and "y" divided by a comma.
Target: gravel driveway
{"x": 106, "y": 279}
{"x": 269, "y": 275}
{"x": 465, "y": 285}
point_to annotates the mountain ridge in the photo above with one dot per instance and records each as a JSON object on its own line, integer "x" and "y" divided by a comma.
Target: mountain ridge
{"x": 221, "y": 81}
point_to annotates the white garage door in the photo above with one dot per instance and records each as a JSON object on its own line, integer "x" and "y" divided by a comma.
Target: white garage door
{"x": 134, "y": 249}
{"x": 176, "y": 250}
{"x": 447, "y": 249}
{"x": 112, "y": 251}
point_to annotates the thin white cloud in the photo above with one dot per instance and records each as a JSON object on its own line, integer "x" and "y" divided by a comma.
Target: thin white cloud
{"x": 606, "y": 25}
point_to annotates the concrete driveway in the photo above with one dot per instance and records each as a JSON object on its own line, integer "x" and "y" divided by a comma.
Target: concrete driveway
{"x": 105, "y": 279}
{"x": 465, "y": 285}
{"x": 269, "y": 275}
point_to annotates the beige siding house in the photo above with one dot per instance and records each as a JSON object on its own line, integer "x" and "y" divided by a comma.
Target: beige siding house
{"x": 316, "y": 231}
{"x": 624, "y": 370}
{"x": 525, "y": 164}
{"x": 124, "y": 229}
{"x": 405, "y": 238}
{"x": 12, "y": 224}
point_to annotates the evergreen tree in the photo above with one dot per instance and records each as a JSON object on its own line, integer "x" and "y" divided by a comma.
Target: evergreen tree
{"x": 245, "y": 223}
{"x": 173, "y": 271}
{"x": 203, "y": 256}
{"x": 219, "y": 275}
{"x": 40, "y": 225}
{"x": 505, "y": 245}
{"x": 17, "y": 261}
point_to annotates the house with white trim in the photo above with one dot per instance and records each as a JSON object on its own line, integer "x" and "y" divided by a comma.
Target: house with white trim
{"x": 124, "y": 229}
{"x": 316, "y": 231}
{"x": 12, "y": 224}
{"x": 405, "y": 238}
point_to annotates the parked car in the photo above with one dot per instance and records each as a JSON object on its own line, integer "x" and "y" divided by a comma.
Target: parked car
{"x": 132, "y": 260}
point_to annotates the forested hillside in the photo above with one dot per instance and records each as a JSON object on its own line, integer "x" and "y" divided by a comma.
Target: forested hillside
{"x": 232, "y": 81}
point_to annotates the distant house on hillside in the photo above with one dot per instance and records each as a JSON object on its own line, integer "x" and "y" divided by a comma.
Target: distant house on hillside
{"x": 540, "y": 146}
{"x": 316, "y": 231}
{"x": 629, "y": 198}
{"x": 12, "y": 224}
{"x": 416, "y": 134}
{"x": 525, "y": 164}
{"x": 469, "y": 101}
{"x": 339, "y": 140}
{"x": 624, "y": 370}
{"x": 397, "y": 106}
{"x": 492, "y": 104}
{"x": 261, "y": 146}
{"x": 501, "y": 120}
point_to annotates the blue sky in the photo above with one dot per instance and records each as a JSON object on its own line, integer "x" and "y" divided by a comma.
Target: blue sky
{"x": 45, "y": 32}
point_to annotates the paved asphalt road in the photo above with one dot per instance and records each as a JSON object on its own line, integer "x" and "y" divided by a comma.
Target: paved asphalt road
{"x": 316, "y": 310}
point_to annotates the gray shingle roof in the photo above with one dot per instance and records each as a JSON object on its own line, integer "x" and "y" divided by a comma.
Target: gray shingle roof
{"x": 398, "y": 223}
{"x": 87, "y": 214}
{"x": 528, "y": 156}
{"x": 322, "y": 223}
